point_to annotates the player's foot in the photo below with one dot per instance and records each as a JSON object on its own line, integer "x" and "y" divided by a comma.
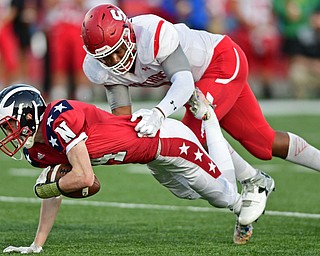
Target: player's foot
{"x": 256, "y": 191}
{"x": 200, "y": 106}
{"x": 242, "y": 233}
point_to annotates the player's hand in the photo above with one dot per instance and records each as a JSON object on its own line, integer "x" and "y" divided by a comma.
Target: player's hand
{"x": 47, "y": 190}
{"x": 33, "y": 248}
{"x": 150, "y": 123}
{"x": 43, "y": 176}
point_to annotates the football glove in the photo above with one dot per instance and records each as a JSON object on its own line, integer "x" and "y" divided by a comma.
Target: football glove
{"x": 33, "y": 248}
{"x": 150, "y": 123}
{"x": 47, "y": 190}
{"x": 43, "y": 175}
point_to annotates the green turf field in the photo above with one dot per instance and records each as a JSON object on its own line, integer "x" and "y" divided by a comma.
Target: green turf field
{"x": 134, "y": 215}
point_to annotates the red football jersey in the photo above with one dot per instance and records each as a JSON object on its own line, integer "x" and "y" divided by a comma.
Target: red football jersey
{"x": 109, "y": 139}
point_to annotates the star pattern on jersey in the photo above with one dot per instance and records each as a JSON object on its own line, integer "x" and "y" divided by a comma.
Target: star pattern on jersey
{"x": 59, "y": 107}
{"x": 53, "y": 142}
{"x": 49, "y": 121}
{"x": 28, "y": 158}
{"x": 56, "y": 110}
{"x": 32, "y": 161}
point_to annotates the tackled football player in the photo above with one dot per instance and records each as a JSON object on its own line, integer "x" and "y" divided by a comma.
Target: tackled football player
{"x": 68, "y": 131}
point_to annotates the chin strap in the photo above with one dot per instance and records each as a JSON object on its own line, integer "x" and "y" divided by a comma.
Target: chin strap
{"x": 30, "y": 141}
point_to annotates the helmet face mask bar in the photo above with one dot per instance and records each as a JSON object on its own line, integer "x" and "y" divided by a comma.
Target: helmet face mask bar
{"x": 21, "y": 110}
{"x": 126, "y": 62}
{"x": 12, "y": 137}
{"x": 105, "y": 29}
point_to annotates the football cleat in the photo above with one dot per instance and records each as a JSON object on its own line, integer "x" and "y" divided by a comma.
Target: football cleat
{"x": 199, "y": 105}
{"x": 255, "y": 193}
{"x": 242, "y": 233}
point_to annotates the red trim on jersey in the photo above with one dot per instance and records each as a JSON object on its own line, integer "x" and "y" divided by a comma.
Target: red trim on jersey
{"x": 157, "y": 39}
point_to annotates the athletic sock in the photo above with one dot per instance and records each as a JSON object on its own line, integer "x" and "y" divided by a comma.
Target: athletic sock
{"x": 217, "y": 147}
{"x": 243, "y": 169}
{"x": 301, "y": 152}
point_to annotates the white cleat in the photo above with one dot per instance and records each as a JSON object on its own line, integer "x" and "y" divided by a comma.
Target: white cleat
{"x": 256, "y": 191}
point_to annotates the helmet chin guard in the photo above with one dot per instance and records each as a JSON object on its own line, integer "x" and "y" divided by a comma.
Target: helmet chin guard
{"x": 14, "y": 137}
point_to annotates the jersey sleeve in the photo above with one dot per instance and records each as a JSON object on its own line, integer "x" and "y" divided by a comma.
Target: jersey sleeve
{"x": 166, "y": 41}
{"x": 94, "y": 71}
{"x": 65, "y": 127}
{"x": 156, "y": 38}
{"x": 42, "y": 156}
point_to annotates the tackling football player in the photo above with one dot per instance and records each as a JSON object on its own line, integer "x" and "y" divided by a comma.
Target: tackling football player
{"x": 148, "y": 51}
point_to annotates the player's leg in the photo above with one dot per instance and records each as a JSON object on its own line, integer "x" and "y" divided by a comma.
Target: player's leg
{"x": 180, "y": 143}
{"x": 169, "y": 136}
{"x": 224, "y": 82}
{"x": 295, "y": 149}
{"x": 247, "y": 124}
{"x": 215, "y": 142}
{"x": 175, "y": 183}
{"x": 186, "y": 179}
{"x": 255, "y": 182}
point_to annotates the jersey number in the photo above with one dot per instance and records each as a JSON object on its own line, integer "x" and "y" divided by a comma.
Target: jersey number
{"x": 120, "y": 156}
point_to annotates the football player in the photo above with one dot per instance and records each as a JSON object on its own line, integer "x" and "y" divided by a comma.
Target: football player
{"x": 148, "y": 51}
{"x": 68, "y": 131}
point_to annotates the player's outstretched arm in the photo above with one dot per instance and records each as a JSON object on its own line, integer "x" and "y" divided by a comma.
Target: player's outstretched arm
{"x": 48, "y": 213}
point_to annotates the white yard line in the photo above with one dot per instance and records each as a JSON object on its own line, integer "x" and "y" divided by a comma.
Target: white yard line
{"x": 30, "y": 200}
{"x": 142, "y": 169}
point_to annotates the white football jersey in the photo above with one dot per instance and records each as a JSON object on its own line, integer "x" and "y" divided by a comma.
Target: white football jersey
{"x": 156, "y": 39}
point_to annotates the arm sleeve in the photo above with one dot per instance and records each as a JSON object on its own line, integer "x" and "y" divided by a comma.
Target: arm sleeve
{"x": 177, "y": 68}
{"x": 118, "y": 96}
{"x": 179, "y": 93}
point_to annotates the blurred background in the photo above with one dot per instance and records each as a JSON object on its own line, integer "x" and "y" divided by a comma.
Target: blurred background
{"x": 40, "y": 43}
